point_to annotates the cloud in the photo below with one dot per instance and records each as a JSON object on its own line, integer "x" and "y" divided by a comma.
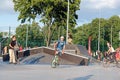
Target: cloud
{"x": 6, "y": 6}
{"x": 119, "y": 16}
{"x": 101, "y": 4}
{"x": 82, "y": 21}
{"x": 91, "y": 9}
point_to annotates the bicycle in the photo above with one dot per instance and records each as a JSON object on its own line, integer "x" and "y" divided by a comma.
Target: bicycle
{"x": 55, "y": 61}
{"x": 110, "y": 59}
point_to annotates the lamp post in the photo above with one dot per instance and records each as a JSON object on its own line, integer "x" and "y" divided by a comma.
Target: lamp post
{"x": 0, "y": 48}
{"x": 103, "y": 39}
{"x": 9, "y": 33}
{"x": 67, "y": 22}
{"x": 111, "y": 34}
{"x": 99, "y": 31}
{"x": 119, "y": 38}
{"x": 26, "y": 36}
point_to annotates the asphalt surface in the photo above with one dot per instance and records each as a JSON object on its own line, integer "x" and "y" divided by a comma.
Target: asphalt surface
{"x": 63, "y": 72}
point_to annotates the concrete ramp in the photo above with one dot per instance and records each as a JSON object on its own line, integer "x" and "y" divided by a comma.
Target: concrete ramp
{"x": 42, "y": 58}
{"x": 45, "y": 55}
{"x": 77, "y": 49}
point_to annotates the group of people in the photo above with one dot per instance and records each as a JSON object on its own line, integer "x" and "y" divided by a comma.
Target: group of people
{"x": 59, "y": 47}
{"x": 12, "y": 50}
{"x": 14, "y": 47}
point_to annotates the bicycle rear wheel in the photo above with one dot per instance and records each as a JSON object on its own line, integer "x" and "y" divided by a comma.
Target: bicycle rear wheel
{"x": 118, "y": 64}
{"x": 53, "y": 64}
{"x": 105, "y": 63}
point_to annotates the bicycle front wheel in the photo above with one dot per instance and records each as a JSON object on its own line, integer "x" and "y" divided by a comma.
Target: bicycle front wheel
{"x": 105, "y": 63}
{"x": 118, "y": 64}
{"x": 53, "y": 64}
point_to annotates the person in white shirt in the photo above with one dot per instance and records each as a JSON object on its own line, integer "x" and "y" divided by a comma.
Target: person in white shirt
{"x": 111, "y": 49}
{"x": 111, "y": 52}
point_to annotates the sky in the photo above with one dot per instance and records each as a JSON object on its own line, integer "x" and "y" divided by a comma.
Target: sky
{"x": 89, "y": 10}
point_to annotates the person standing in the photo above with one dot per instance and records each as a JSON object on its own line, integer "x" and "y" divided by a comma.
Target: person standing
{"x": 21, "y": 48}
{"x": 12, "y": 51}
{"x": 5, "y": 50}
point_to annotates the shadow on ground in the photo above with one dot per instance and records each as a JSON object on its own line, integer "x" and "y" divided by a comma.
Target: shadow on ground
{"x": 82, "y": 78}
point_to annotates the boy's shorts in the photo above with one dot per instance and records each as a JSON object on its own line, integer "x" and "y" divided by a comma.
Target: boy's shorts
{"x": 59, "y": 52}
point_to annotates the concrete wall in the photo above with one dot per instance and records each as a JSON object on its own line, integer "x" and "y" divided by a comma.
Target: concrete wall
{"x": 73, "y": 58}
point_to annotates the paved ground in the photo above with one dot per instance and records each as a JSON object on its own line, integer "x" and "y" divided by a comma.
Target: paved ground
{"x": 63, "y": 72}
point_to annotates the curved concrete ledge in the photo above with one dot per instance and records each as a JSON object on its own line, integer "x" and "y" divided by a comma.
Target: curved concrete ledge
{"x": 68, "y": 57}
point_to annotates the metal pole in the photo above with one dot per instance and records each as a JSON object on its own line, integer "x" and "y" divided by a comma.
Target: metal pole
{"x": 67, "y": 23}
{"x": 111, "y": 35}
{"x": 119, "y": 38}
{"x": 0, "y": 48}
{"x": 82, "y": 35}
{"x": 9, "y": 33}
{"x": 103, "y": 39}
{"x": 26, "y": 36}
{"x": 99, "y": 33}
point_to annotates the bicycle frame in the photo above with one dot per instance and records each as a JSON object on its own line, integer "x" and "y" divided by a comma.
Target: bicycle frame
{"x": 110, "y": 58}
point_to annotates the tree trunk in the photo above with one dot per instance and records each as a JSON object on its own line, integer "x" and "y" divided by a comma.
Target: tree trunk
{"x": 48, "y": 38}
{"x": 49, "y": 33}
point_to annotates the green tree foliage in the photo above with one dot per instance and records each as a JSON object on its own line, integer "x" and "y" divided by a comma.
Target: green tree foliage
{"x": 53, "y": 13}
{"x": 0, "y": 34}
{"x": 4, "y": 39}
{"x": 91, "y": 29}
{"x": 35, "y": 36}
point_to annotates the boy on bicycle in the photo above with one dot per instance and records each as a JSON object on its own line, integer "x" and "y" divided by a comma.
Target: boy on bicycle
{"x": 59, "y": 47}
{"x": 111, "y": 52}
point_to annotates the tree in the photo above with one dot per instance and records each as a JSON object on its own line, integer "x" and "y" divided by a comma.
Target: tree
{"x": 115, "y": 28}
{"x": 0, "y": 34}
{"x": 51, "y": 12}
{"x": 91, "y": 29}
{"x": 35, "y": 36}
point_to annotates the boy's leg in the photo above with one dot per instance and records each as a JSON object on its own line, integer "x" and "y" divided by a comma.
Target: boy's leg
{"x": 10, "y": 56}
{"x": 14, "y": 57}
{"x": 59, "y": 54}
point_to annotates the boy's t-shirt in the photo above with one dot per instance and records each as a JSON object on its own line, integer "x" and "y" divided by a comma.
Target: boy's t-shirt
{"x": 60, "y": 45}
{"x": 13, "y": 43}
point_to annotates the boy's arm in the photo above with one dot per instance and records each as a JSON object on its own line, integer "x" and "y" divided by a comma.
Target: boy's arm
{"x": 11, "y": 46}
{"x": 63, "y": 49}
{"x": 109, "y": 50}
{"x": 55, "y": 45}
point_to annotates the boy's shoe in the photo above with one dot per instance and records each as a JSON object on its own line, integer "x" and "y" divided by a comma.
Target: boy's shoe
{"x": 10, "y": 62}
{"x": 58, "y": 64}
{"x": 14, "y": 63}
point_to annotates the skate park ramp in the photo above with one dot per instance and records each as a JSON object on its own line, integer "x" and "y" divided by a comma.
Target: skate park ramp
{"x": 44, "y": 55}
{"x": 42, "y": 58}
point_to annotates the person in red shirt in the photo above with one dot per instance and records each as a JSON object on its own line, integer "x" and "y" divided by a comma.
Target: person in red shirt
{"x": 21, "y": 48}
